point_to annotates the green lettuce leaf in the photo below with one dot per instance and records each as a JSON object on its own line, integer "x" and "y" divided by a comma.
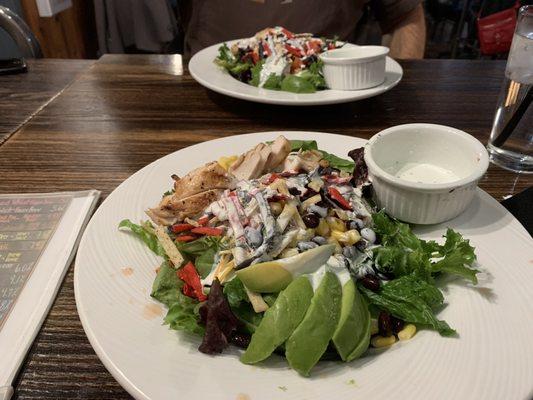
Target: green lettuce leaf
{"x": 235, "y": 292}
{"x": 313, "y": 74}
{"x": 303, "y": 145}
{"x": 457, "y": 255}
{"x": 202, "y": 252}
{"x": 145, "y": 233}
{"x": 403, "y": 253}
{"x": 273, "y": 82}
{"x": 412, "y": 300}
{"x": 297, "y": 84}
{"x": 256, "y": 73}
{"x": 183, "y": 312}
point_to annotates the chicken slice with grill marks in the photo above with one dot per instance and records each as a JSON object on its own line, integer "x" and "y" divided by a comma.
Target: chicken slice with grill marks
{"x": 173, "y": 209}
{"x": 192, "y": 194}
{"x": 210, "y": 176}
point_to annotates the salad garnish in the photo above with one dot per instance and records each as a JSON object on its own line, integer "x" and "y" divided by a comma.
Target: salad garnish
{"x": 282, "y": 250}
{"x": 278, "y": 59}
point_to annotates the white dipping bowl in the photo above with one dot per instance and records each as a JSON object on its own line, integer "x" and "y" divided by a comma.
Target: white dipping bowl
{"x": 425, "y": 173}
{"x": 354, "y": 67}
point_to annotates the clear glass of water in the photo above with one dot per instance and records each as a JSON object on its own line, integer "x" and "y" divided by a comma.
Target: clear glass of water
{"x": 511, "y": 139}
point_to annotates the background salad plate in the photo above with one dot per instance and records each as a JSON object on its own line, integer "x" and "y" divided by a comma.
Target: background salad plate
{"x": 491, "y": 359}
{"x": 207, "y": 73}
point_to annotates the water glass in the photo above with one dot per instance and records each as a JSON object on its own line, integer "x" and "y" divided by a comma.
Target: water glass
{"x": 511, "y": 139}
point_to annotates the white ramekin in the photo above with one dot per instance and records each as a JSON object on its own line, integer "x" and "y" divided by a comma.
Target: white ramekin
{"x": 354, "y": 67}
{"x": 439, "y": 146}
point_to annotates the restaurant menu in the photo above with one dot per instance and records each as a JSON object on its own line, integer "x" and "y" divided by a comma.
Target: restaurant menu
{"x": 39, "y": 234}
{"x": 26, "y": 224}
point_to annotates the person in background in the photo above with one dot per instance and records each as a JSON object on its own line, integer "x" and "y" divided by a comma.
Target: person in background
{"x": 207, "y": 22}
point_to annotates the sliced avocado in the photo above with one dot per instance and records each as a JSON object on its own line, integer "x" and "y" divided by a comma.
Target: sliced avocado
{"x": 280, "y": 320}
{"x": 273, "y": 276}
{"x": 352, "y": 336}
{"x": 310, "y": 339}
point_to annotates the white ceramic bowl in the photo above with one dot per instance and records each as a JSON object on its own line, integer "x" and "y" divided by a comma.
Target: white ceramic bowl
{"x": 425, "y": 173}
{"x": 355, "y": 67}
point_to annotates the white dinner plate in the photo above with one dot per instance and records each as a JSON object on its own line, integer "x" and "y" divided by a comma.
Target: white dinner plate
{"x": 491, "y": 359}
{"x": 208, "y": 74}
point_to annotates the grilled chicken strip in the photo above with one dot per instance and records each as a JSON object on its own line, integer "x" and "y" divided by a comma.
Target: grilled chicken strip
{"x": 172, "y": 209}
{"x": 192, "y": 194}
{"x": 210, "y": 176}
{"x": 261, "y": 159}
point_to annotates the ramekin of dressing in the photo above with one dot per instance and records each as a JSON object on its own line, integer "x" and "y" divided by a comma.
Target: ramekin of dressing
{"x": 354, "y": 67}
{"x": 425, "y": 173}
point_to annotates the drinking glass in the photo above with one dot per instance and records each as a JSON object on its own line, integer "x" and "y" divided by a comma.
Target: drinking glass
{"x": 511, "y": 139}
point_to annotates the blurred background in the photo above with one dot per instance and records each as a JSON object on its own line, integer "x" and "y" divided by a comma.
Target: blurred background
{"x": 473, "y": 29}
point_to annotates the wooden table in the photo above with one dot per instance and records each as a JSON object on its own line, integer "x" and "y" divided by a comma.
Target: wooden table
{"x": 24, "y": 95}
{"x": 127, "y": 111}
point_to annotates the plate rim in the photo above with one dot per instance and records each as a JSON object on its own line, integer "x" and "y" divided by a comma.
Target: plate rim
{"x": 258, "y": 98}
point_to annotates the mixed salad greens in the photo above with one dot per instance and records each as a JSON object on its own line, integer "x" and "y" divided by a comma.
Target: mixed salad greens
{"x": 297, "y": 261}
{"x": 278, "y": 59}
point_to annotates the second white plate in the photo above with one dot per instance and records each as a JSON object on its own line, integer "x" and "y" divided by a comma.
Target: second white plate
{"x": 208, "y": 74}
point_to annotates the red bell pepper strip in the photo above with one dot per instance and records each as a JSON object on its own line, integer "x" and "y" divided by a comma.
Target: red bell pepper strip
{"x": 177, "y": 228}
{"x": 287, "y": 33}
{"x": 205, "y": 230}
{"x": 203, "y": 221}
{"x": 193, "y": 286}
{"x": 293, "y": 50}
{"x": 337, "y": 196}
{"x": 266, "y": 49}
{"x": 186, "y": 238}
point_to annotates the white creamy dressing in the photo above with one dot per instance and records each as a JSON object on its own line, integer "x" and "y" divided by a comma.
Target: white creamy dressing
{"x": 425, "y": 173}
{"x": 332, "y": 265}
{"x": 273, "y": 65}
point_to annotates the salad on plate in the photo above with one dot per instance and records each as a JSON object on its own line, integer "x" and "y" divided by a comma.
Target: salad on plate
{"x": 278, "y": 59}
{"x": 282, "y": 250}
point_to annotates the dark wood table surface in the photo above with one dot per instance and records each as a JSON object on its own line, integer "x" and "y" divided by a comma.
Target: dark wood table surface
{"x": 127, "y": 111}
{"x": 24, "y": 95}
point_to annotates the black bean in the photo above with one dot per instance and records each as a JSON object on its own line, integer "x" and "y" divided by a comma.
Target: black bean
{"x": 361, "y": 245}
{"x": 240, "y": 340}
{"x": 294, "y": 191}
{"x": 371, "y": 282}
{"x": 396, "y": 324}
{"x": 311, "y": 220}
{"x": 384, "y": 324}
{"x": 309, "y": 193}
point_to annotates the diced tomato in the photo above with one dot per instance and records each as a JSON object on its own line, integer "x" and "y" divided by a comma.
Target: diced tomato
{"x": 296, "y": 65}
{"x": 232, "y": 194}
{"x": 293, "y": 50}
{"x": 331, "y": 46}
{"x": 193, "y": 286}
{"x": 255, "y": 57}
{"x": 205, "y": 230}
{"x": 337, "y": 196}
{"x": 314, "y": 47}
{"x": 266, "y": 49}
{"x": 203, "y": 221}
{"x": 272, "y": 178}
{"x": 186, "y": 238}
{"x": 177, "y": 228}
{"x": 287, "y": 33}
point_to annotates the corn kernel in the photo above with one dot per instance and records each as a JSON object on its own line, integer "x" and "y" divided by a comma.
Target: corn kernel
{"x": 323, "y": 228}
{"x": 350, "y": 237}
{"x": 407, "y": 332}
{"x": 336, "y": 224}
{"x": 338, "y": 247}
{"x": 226, "y": 162}
{"x": 337, "y": 235}
{"x": 374, "y": 326}
{"x": 380, "y": 341}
